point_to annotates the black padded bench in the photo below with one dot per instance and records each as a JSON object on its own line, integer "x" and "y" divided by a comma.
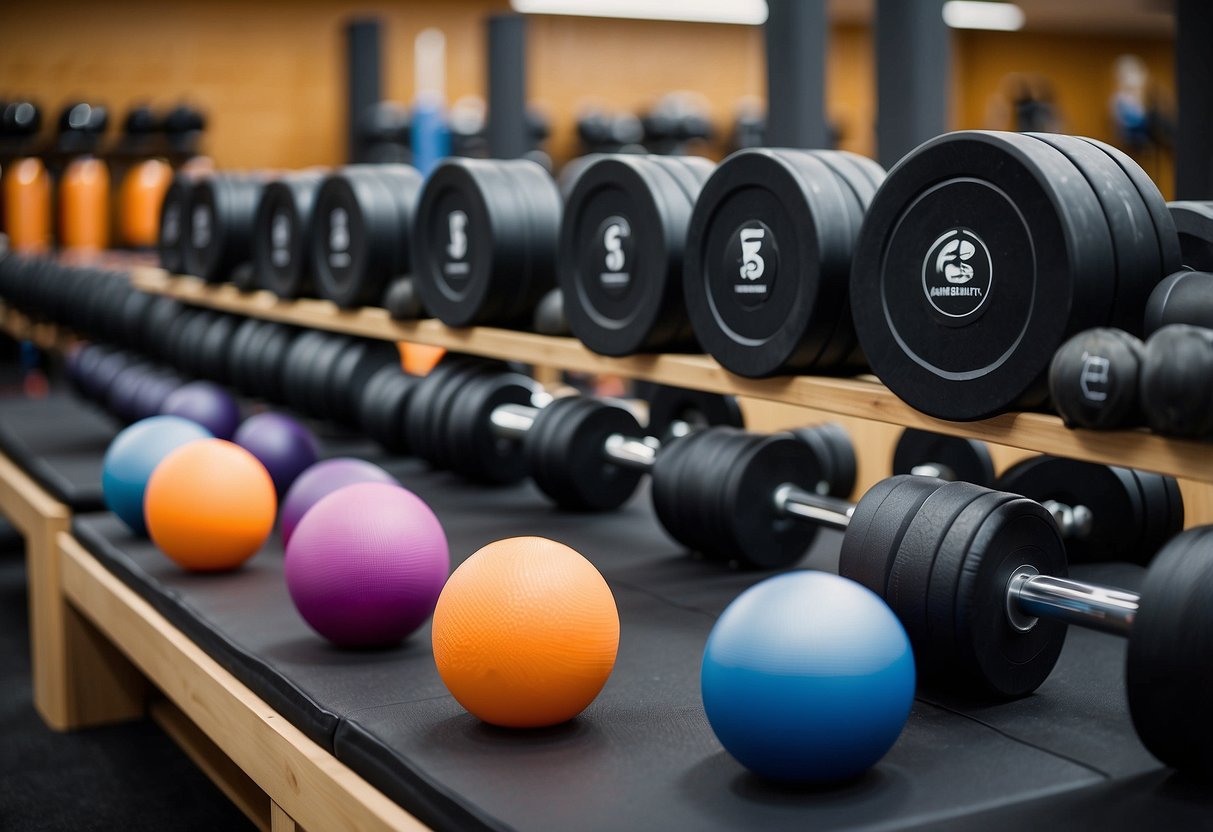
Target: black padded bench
{"x": 642, "y": 756}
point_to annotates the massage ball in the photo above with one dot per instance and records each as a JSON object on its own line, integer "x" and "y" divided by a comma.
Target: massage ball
{"x": 365, "y": 564}
{"x": 525, "y": 633}
{"x": 210, "y": 505}
{"x": 285, "y": 447}
{"x": 132, "y": 456}
{"x": 207, "y": 404}
{"x": 807, "y": 678}
{"x": 323, "y": 479}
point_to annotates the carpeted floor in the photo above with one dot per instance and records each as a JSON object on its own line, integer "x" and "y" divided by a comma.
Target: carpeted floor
{"x": 121, "y": 777}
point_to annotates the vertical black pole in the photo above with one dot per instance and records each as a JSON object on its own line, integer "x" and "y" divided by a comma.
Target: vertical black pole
{"x": 362, "y": 63}
{"x": 1194, "y": 91}
{"x": 507, "y": 132}
{"x": 913, "y": 60}
{"x": 796, "y": 32}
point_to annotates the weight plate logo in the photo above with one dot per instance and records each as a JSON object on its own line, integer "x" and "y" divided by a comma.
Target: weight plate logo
{"x": 751, "y": 263}
{"x": 612, "y": 252}
{"x": 957, "y": 274}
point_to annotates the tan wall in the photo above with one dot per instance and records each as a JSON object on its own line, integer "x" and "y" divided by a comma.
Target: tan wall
{"x": 272, "y": 73}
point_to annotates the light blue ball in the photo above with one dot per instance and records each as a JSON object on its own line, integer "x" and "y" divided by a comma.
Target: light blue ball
{"x": 133, "y": 455}
{"x": 807, "y": 678}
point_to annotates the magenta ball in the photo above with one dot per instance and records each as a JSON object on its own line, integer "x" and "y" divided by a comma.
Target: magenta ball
{"x": 205, "y": 403}
{"x": 366, "y": 564}
{"x": 323, "y": 479}
{"x": 285, "y": 447}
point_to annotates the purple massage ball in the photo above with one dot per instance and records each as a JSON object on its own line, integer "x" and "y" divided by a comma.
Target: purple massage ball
{"x": 285, "y": 447}
{"x": 366, "y": 564}
{"x": 207, "y": 404}
{"x": 323, "y": 479}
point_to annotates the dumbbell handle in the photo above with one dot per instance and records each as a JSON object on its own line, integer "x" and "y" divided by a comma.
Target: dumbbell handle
{"x": 1031, "y": 596}
{"x": 512, "y": 421}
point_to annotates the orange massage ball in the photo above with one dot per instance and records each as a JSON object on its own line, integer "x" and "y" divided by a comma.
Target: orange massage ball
{"x": 525, "y": 633}
{"x": 209, "y": 505}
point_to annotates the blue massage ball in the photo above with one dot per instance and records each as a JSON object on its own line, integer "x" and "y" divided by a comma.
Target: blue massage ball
{"x": 807, "y": 678}
{"x": 134, "y": 454}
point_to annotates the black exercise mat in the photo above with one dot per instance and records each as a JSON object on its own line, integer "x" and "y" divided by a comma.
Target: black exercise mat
{"x": 642, "y": 756}
{"x": 59, "y": 441}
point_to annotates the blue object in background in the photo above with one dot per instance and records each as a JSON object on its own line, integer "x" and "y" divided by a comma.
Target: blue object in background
{"x": 131, "y": 458}
{"x": 431, "y": 135}
{"x": 807, "y": 677}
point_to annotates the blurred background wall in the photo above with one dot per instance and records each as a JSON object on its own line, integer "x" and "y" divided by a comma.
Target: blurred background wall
{"x": 271, "y": 74}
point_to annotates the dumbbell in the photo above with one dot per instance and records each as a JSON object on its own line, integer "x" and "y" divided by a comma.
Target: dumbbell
{"x": 978, "y": 579}
{"x": 219, "y": 224}
{"x": 174, "y": 216}
{"x": 768, "y": 259}
{"x": 280, "y": 229}
{"x": 485, "y": 241}
{"x": 741, "y": 497}
{"x": 360, "y": 233}
{"x": 323, "y": 374}
{"x": 621, "y": 252}
{"x": 1194, "y": 222}
{"x": 951, "y": 458}
{"x": 1078, "y": 228}
{"x": 675, "y": 411}
{"x": 1104, "y": 512}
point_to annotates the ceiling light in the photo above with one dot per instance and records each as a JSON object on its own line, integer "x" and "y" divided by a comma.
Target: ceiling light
{"x": 750, "y": 12}
{"x": 979, "y": 14}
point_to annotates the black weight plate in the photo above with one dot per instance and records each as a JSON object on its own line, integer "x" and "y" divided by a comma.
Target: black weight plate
{"x": 1185, "y": 297}
{"x": 1170, "y": 256}
{"x": 959, "y": 459}
{"x": 1167, "y": 676}
{"x": 280, "y": 235}
{"x": 710, "y": 498}
{"x": 239, "y": 358}
{"x": 1163, "y": 511}
{"x": 992, "y": 654}
{"x": 1093, "y": 379}
{"x": 909, "y": 578}
{"x": 760, "y": 535}
{"x": 831, "y": 444}
{"x": 354, "y": 367}
{"x": 422, "y": 404}
{"x": 219, "y": 230}
{"x": 273, "y": 358}
{"x": 212, "y": 355}
{"x": 297, "y": 368}
{"x": 858, "y": 194}
{"x": 1175, "y": 393}
{"x": 1134, "y": 240}
{"x": 588, "y": 480}
{"x": 620, "y": 257}
{"x": 381, "y": 407}
{"x": 544, "y": 206}
{"x": 158, "y": 323}
{"x": 438, "y": 435}
{"x": 938, "y": 655}
{"x": 1111, "y": 494}
{"x": 694, "y": 408}
{"x": 250, "y": 366}
{"x": 766, "y": 261}
{"x": 1194, "y": 223}
{"x": 669, "y": 500}
{"x": 877, "y": 524}
{"x": 360, "y": 235}
{"x": 134, "y": 314}
{"x": 320, "y": 402}
{"x": 472, "y": 243}
{"x": 476, "y": 452}
{"x": 174, "y": 215}
{"x": 192, "y": 330}
{"x": 952, "y": 219}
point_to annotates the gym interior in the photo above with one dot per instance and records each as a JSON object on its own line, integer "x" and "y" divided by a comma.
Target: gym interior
{"x": 363, "y": 368}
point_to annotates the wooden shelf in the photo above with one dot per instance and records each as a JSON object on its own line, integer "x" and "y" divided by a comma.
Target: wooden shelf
{"x": 1037, "y": 432}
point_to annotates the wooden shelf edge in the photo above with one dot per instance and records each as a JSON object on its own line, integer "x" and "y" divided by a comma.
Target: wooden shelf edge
{"x": 870, "y": 400}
